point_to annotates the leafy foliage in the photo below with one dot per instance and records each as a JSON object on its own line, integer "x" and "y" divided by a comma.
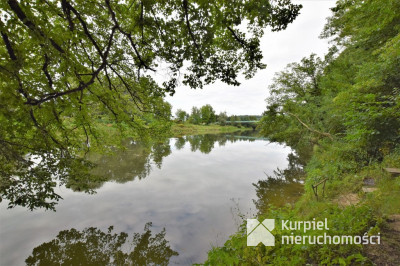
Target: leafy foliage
{"x": 181, "y": 115}
{"x": 222, "y": 117}
{"x": 195, "y": 116}
{"x": 349, "y": 100}
{"x": 70, "y": 67}
{"x": 207, "y": 114}
{"x": 351, "y": 221}
{"x": 295, "y": 97}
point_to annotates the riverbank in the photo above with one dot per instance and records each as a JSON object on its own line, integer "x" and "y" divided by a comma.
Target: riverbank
{"x": 191, "y": 129}
{"x": 363, "y": 202}
{"x": 179, "y": 129}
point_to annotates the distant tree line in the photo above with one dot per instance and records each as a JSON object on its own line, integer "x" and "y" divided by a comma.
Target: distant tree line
{"x": 207, "y": 115}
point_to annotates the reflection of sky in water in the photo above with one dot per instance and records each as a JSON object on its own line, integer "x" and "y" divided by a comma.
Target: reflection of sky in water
{"x": 191, "y": 196}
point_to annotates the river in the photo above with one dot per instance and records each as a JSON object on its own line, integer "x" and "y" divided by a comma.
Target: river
{"x": 196, "y": 187}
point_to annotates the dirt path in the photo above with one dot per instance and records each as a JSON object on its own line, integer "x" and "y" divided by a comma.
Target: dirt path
{"x": 347, "y": 199}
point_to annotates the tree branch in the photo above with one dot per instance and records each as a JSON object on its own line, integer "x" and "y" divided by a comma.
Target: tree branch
{"x": 54, "y": 95}
{"x": 23, "y": 18}
{"x": 82, "y": 85}
{"x": 311, "y": 129}
{"x": 85, "y": 28}
{"x": 36, "y": 123}
{"x": 10, "y": 50}
{"x": 46, "y": 72}
{"x": 185, "y": 8}
{"x": 67, "y": 12}
{"x": 128, "y": 35}
{"x": 240, "y": 40}
{"x": 133, "y": 95}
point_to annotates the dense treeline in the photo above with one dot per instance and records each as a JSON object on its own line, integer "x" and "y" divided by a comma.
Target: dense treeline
{"x": 344, "y": 107}
{"x": 207, "y": 115}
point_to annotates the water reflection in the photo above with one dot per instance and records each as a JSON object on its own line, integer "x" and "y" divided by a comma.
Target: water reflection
{"x": 205, "y": 143}
{"x": 133, "y": 163}
{"x": 136, "y": 160}
{"x": 92, "y": 246}
{"x": 282, "y": 187}
{"x": 191, "y": 195}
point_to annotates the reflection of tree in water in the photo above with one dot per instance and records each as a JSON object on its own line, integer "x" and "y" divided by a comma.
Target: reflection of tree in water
{"x": 180, "y": 143}
{"x": 205, "y": 143}
{"x": 159, "y": 151}
{"x": 122, "y": 166}
{"x": 91, "y": 246}
{"x": 281, "y": 188}
{"x": 34, "y": 188}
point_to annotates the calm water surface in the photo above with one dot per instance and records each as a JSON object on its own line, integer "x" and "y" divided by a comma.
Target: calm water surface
{"x": 193, "y": 186}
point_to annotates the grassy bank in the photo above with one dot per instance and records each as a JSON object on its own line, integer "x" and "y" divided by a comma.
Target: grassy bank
{"x": 349, "y": 211}
{"x": 191, "y": 129}
{"x": 171, "y": 129}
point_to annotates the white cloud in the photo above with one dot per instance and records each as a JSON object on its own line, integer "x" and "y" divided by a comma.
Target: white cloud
{"x": 299, "y": 40}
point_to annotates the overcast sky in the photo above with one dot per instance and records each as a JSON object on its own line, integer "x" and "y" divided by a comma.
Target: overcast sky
{"x": 299, "y": 40}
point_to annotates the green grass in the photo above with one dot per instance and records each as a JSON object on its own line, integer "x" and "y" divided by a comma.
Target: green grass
{"x": 191, "y": 129}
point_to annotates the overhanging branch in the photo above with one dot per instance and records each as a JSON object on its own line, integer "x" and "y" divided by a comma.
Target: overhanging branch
{"x": 311, "y": 129}
{"x": 24, "y": 19}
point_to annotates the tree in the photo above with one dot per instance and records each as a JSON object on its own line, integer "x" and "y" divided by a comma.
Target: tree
{"x": 233, "y": 120}
{"x": 293, "y": 115}
{"x": 369, "y": 103}
{"x": 64, "y": 64}
{"x": 195, "y": 116}
{"x": 344, "y": 111}
{"x": 207, "y": 114}
{"x": 222, "y": 118}
{"x": 181, "y": 115}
